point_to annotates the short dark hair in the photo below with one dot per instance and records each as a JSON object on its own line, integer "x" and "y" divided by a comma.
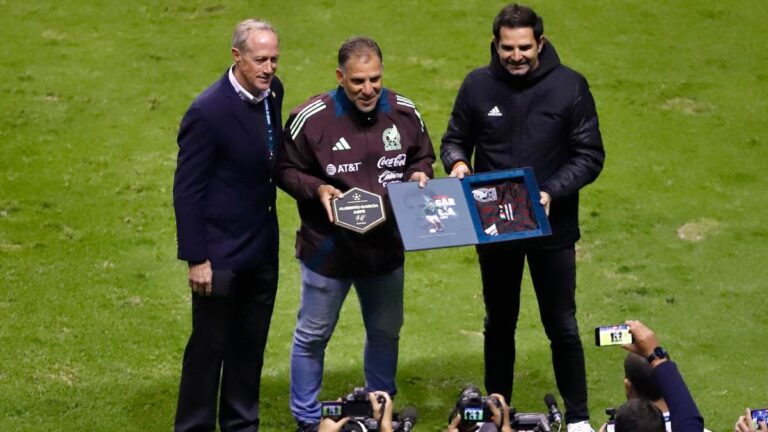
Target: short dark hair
{"x": 517, "y": 16}
{"x": 639, "y": 373}
{"x": 359, "y": 46}
{"x": 639, "y": 415}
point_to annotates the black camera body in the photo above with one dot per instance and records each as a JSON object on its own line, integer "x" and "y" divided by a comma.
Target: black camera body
{"x": 473, "y": 406}
{"x": 361, "y": 425}
{"x": 611, "y": 424}
{"x": 530, "y": 422}
{"x": 357, "y": 406}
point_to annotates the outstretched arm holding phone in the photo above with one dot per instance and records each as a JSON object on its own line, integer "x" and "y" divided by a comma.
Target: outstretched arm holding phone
{"x": 683, "y": 412}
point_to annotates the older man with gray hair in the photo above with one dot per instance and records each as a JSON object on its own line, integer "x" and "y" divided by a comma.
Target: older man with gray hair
{"x": 224, "y": 199}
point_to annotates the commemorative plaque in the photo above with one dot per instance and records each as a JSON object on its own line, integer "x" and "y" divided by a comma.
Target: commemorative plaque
{"x": 358, "y": 210}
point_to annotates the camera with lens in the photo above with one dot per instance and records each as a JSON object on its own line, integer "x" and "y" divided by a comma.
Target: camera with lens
{"x": 610, "y": 425}
{"x": 531, "y": 422}
{"x": 357, "y": 406}
{"x": 473, "y": 406}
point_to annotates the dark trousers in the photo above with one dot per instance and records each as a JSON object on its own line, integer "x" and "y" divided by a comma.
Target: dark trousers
{"x": 554, "y": 279}
{"x": 227, "y": 346}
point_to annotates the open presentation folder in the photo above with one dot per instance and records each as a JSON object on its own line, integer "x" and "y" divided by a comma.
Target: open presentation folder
{"x": 481, "y": 208}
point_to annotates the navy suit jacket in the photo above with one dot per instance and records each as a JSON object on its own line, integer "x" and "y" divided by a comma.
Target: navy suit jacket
{"x": 223, "y": 190}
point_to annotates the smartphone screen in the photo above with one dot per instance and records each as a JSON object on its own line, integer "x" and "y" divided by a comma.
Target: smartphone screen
{"x": 759, "y": 415}
{"x": 330, "y": 409}
{"x": 613, "y": 335}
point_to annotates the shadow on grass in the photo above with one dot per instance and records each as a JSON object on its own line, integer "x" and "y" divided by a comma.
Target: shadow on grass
{"x": 151, "y": 405}
{"x": 430, "y": 384}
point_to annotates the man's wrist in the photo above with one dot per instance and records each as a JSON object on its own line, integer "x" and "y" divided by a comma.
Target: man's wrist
{"x": 657, "y": 356}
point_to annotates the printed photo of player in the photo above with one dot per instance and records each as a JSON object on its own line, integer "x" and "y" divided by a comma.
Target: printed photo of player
{"x": 432, "y": 217}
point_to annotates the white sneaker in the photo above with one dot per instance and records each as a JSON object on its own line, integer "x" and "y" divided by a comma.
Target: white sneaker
{"x": 582, "y": 426}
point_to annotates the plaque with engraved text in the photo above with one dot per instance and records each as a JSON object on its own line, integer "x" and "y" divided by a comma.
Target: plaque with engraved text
{"x": 358, "y": 210}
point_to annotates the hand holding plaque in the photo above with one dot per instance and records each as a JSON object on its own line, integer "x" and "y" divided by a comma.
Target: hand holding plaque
{"x": 358, "y": 210}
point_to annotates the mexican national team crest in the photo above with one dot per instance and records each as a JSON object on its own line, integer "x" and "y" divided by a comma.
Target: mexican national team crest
{"x": 391, "y": 138}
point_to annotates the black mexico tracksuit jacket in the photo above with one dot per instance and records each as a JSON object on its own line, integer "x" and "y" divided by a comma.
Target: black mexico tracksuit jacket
{"x": 328, "y": 141}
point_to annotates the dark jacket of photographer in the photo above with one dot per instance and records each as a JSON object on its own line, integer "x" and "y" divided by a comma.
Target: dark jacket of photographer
{"x": 545, "y": 120}
{"x": 683, "y": 411}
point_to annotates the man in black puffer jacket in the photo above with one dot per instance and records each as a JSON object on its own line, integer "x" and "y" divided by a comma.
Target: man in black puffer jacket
{"x": 527, "y": 109}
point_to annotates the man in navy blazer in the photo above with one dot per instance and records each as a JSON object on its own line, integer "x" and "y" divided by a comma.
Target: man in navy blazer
{"x": 224, "y": 199}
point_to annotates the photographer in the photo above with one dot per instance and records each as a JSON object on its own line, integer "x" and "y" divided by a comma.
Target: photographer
{"x": 382, "y": 414}
{"x": 500, "y": 417}
{"x": 639, "y": 384}
{"x": 641, "y": 414}
{"x": 745, "y": 423}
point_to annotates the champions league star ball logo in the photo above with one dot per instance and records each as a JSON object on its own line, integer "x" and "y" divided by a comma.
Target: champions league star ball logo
{"x": 358, "y": 210}
{"x": 391, "y": 138}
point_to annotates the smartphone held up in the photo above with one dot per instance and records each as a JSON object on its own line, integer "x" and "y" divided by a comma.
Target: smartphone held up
{"x": 613, "y": 335}
{"x": 759, "y": 415}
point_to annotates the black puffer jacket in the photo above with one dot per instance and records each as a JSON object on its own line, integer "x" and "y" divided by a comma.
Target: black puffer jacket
{"x": 545, "y": 120}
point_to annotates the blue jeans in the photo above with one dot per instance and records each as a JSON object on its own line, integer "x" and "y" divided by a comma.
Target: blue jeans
{"x": 381, "y": 304}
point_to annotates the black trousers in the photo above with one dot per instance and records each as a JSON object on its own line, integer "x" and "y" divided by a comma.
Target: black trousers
{"x": 554, "y": 279}
{"x": 226, "y": 347}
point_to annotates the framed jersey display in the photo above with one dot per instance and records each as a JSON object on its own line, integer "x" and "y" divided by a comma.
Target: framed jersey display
{"x": 482, "y": 208}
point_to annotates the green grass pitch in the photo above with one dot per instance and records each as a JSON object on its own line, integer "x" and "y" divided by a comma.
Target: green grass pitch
{"x": 94, "y": 309}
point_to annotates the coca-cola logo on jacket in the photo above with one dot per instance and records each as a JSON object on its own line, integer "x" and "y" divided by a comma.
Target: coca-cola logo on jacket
{"x": 392, "y": 162}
